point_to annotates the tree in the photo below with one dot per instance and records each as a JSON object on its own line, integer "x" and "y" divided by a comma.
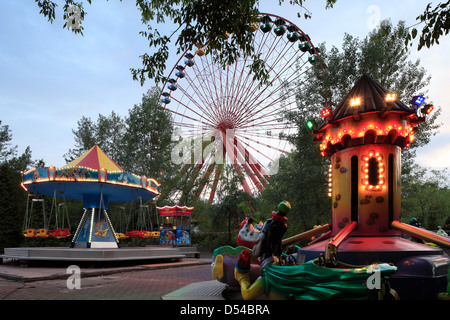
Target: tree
{"x": 194, "y": 22}
{"x": 301, "y": 181}
{"x": 106, "y": 133}
{"x": 146, "y": 143}
{"x": 233, "y": 205}
{"x": 436, "y": 24}
{"x": 84, "y": 139}
{"x": 12, "y": 206}
{"x": 208, "y": 22}
{"x": 109, "y": 132}
{"x": 12, "y": 196}
{"x": 140, "y": 142}
{"x": 426, "y": 197}
{"x": 381, "y": 56}
{"x": 6, "y": 150}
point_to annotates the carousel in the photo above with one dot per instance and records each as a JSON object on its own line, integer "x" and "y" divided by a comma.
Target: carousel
{"x": 95, "y": 179}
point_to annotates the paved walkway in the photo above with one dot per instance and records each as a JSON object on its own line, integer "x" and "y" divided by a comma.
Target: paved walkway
{"x": 140, "y": 282}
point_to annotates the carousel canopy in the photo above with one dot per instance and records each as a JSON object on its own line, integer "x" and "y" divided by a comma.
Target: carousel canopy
{"x": 93, "y": 178}
{"x": 95, "y": 158}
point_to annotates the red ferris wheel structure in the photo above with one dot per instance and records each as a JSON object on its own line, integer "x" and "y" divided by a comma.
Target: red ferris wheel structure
{"x": 223, "y": 117}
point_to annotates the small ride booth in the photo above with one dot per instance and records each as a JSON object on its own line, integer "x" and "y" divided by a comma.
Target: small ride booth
{"x": 175, "y": 226}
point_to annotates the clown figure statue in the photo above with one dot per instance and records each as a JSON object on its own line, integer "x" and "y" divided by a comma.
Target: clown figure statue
{"x": 269, "y": 243}
{"x": 267, "y": 249}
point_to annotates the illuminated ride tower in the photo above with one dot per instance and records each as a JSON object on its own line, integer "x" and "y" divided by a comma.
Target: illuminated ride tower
{"x": 363, "y": 136}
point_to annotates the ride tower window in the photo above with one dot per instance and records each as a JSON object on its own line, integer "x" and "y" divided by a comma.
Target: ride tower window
{"x": 373, "y": 173}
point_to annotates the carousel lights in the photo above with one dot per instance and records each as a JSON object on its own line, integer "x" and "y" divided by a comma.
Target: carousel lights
{"x": 427, "y": 109}
{"x": 311, "y": 124}
{"x": 380, "y": 130}
{"x": 355, "y": 102}
{"x": 23, "y": 186}
{"x": 330, "y": 181}
{"x": 417, "y": 100}
{"x": 68, "y": 175}
{"x": 391, "y": 97}
{"x": 326, "y": 112}
{"x": 373, "y": 172}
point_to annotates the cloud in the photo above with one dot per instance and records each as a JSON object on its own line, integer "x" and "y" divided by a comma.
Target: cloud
{"x": 434, "y": 156}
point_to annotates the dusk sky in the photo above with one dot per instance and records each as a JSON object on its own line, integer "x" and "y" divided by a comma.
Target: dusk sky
{"x": 51, "y": 77}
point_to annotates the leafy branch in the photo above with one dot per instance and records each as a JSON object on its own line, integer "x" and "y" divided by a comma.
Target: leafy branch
{"x": 437, "y": 24}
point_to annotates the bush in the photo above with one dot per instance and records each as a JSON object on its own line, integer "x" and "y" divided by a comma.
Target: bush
{"x": 210, "y": 241}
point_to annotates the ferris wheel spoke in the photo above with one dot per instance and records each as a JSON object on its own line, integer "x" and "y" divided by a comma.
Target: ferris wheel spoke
{"x": 271, "y": 68}
{"x": 276, "y": 122}
{"x": 255, "y": 165}
{"x": 241, "y": 86}
{"x": 188, "y": 117}
{"x": 237, "y": 155}
{"x": 217, "y": 175}
{"x": 206, "y": 111}
{"x": 216, "y": 82}
{"x": 244, "y": 134}
{"x": 211, "y": 84}
{"x": 259, "y": 152}
{"x": 201, "y": 89}
{"x": 262, "y": 126}
{"x": 266, "y": 145}
{"x": 274, "y": 91}
{"x": 205, "y": 179}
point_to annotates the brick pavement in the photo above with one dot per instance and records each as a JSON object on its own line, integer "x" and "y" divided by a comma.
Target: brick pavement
{"x": 141, "y": 284}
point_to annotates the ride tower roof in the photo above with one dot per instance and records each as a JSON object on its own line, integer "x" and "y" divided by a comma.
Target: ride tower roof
{"x": 372, "y": 98}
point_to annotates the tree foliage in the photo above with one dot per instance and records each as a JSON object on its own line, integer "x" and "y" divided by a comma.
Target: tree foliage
{"x": 436, "y": 23}
{"x": 106, "y": 132}
{"x": 426, "y": 197}
{"x": 195, "y": 22}
{"x": 233, "y": 206}
{"x": 12, "y": 196}
{"x": 140, "y": 142}
{"x": 381, "y": 56}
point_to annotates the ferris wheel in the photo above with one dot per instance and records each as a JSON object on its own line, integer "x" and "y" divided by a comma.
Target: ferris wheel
{"x": 223, "y": 117}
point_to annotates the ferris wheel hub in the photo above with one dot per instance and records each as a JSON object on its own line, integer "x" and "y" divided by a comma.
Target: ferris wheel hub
{"x": 225, "y": 125}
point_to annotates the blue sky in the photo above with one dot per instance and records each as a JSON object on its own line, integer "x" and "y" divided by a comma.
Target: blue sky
{"x": 50, "y": 77}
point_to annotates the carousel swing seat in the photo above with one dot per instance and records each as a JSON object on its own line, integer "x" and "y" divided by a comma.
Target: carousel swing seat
{"x": 155, "y": 234}
{"x": 59, "y": 233}
{"x": 101, "y": 233}
{"x": 29, "y": 233}
{"x": 42, "y": 233}
{"x": 120, "y": 236}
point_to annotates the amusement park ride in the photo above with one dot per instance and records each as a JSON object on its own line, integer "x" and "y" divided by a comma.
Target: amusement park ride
{"x": 243, "y": 123}
{"x": 230, "y": 118}
{"x": 363, "y": 136}
{"x": 97, "y": 180}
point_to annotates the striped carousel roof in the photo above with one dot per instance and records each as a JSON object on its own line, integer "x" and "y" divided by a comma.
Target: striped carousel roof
{"x": 95, "y": 158}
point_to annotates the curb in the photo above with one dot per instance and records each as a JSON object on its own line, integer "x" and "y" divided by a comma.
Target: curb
{"x": 97, "y": 273}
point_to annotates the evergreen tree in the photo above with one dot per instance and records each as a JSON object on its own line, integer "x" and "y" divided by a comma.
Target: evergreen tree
{"x": 12, "y": 197}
